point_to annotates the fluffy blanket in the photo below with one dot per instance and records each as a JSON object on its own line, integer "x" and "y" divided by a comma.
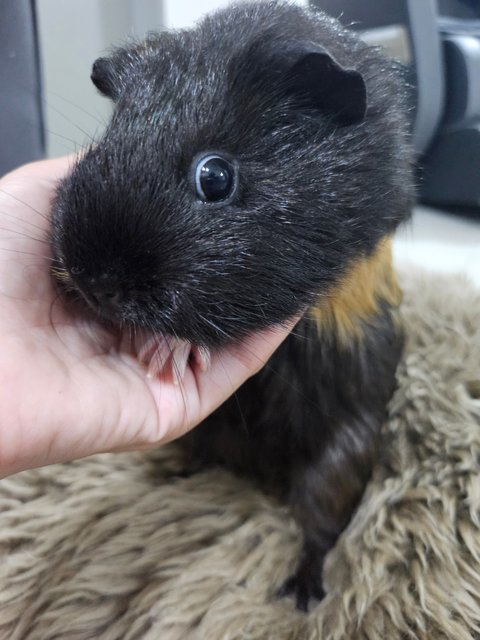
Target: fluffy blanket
{"x": 124, "y": 547}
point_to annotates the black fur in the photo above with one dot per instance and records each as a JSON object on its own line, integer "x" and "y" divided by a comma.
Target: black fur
{"x": 307, "y": 427}
{"x": 322, "y": 178}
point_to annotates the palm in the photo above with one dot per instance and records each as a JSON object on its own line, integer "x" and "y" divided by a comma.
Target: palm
{"x": 56, "y": 364}
{"x": 69, "y": 388}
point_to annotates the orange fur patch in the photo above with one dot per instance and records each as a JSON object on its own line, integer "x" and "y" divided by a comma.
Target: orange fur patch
{"x": 366, "y": 283}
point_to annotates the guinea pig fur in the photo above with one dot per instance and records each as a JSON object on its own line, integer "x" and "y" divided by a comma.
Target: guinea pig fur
{"x": 254, "y": 167}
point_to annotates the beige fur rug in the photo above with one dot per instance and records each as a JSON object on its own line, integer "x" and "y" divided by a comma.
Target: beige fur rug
{"x": 118, "y": 547}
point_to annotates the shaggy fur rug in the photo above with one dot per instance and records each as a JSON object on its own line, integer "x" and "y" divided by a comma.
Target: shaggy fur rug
{"x": 122, "y": 547}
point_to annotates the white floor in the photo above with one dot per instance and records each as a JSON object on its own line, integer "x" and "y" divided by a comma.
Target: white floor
{"x": 442, "y": 242}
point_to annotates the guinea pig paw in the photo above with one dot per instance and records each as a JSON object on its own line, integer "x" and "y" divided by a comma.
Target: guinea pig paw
{"x": 157, "y": 353}
{"x": 180, "y": 355}
{"x": 202, "y": 357}
{"x": 155, "y": 347}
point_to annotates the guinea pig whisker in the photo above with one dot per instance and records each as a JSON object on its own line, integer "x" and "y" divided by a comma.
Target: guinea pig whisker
{"x": 131, "y": 336}
{"x": 53, "y": 325}
{"x": 16, "y": 232}
{"x": 179, "y": 377}
{"x": 74, "y": 104}
{"x": 27, "y": 253}
{"x": 31, "y": 92}
{"x": 26, "y": 204}
{"x": 300, "y": 336}
{"x": 181, "y": 354}
{"x": 244, "y": 423}
{"x": 178, "y": 371}
{"x": 152, "y": 347}
{"x": 214, "y": 326}
{"x": 60, "y": 135}
{"x": 69, "y": 120}
{"x": 22, "y": 221}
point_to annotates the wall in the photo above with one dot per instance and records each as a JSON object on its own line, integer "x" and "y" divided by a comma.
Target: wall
{"x": 72, "y": 35}
{"x": 182, "y": 13}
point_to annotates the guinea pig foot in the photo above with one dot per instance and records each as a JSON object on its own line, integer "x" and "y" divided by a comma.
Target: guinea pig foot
{"x": 161, "y": 353}
{"x": 180, "y": 355}
{"x": 202, "y": 357}
{"x": 155, "y": 349}
{"x": 158, "y": 353}
{"x": 304, "y": 585}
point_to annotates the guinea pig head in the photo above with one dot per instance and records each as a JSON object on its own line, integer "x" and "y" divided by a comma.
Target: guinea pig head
{"x": 232, "y": 185}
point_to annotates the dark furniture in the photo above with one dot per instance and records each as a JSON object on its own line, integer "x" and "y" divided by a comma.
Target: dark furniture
{"x": 444, "y": 41}
{"x": 21, "y": 118}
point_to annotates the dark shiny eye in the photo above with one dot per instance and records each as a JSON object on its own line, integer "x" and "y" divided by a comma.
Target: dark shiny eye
{"x": 214, "y": 178}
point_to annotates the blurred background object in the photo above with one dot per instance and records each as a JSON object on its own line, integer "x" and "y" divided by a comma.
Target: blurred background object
{"x": 439, "y": 42}
{"x": 72, "y": 34}
{"x": 21, "y": 109}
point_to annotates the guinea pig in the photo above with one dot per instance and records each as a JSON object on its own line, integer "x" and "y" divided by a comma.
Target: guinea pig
{"x": 255, "y": 168}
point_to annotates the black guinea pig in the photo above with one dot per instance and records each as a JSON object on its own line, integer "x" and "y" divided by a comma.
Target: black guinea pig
{"x": 254, "y": 167}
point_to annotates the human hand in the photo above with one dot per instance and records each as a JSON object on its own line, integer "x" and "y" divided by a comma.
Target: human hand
{"x": 68, "y": 387}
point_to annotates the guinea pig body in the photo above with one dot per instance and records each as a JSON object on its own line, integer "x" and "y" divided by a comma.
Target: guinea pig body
{"x": 308, "y": 425}
{"x": 254, "y": 167}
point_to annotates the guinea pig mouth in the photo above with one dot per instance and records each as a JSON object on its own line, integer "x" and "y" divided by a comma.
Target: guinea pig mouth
{"x": 168, "y": 356}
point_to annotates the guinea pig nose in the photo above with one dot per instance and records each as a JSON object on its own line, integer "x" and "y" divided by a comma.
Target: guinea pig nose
{"x": 110, "y": 298}
{"x": 107, "y": 291}
{"x": 103, "y": 293}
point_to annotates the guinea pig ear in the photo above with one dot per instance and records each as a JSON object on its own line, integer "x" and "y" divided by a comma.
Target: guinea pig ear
{"x": 317, "y": 78}
{"x": 104, "y": 78}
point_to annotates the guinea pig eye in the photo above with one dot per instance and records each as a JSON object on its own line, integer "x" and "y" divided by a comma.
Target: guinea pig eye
{"x": 214, "y": 178}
